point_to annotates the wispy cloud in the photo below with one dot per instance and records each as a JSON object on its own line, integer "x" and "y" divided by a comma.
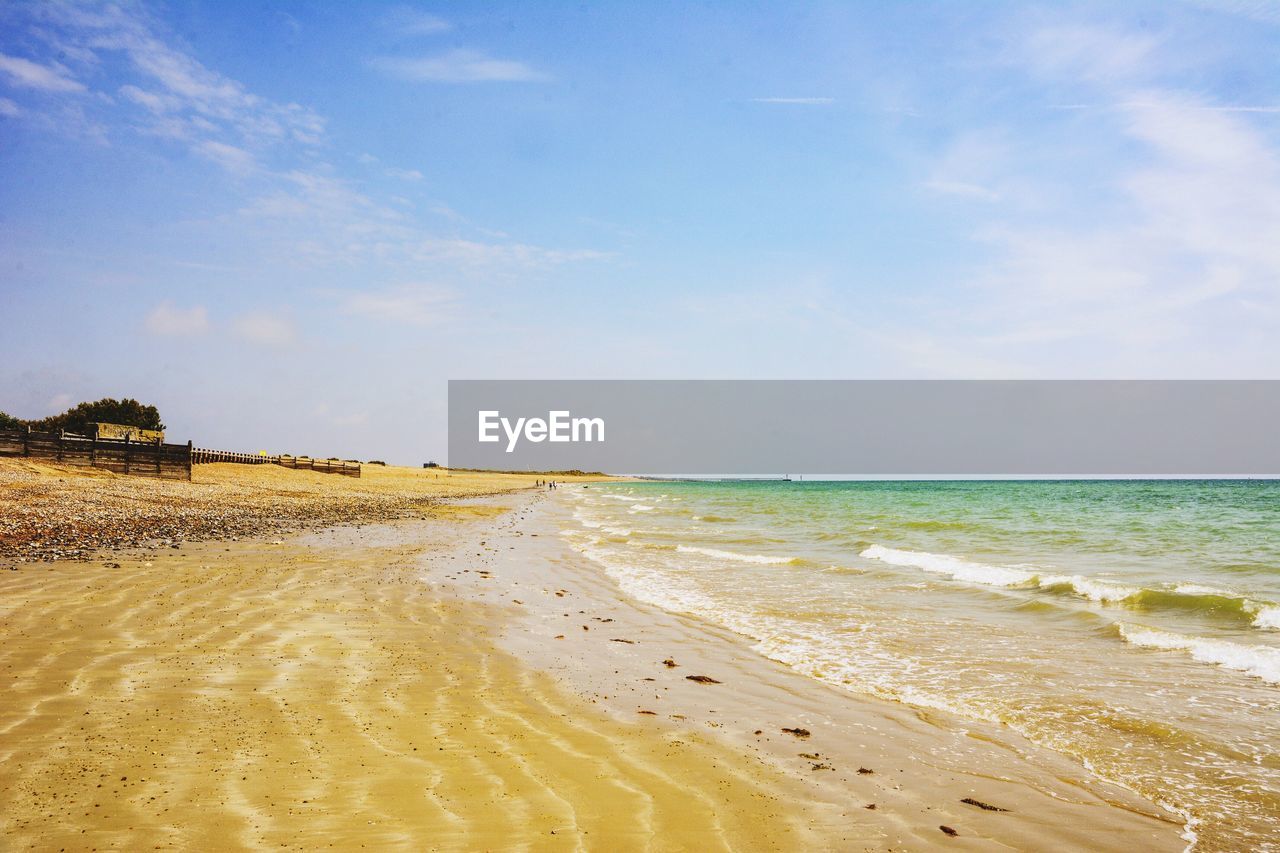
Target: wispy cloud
{"x": 407, "y": 21}
{"x": 971, "y": 167}
{"x": 405, "y": 174}
{"x": 336, "y": 223}
{"x": 412, "y": 304}
{"x": 1086, "y": 52}
{"x": 229, "y": 157}
{"x": 962, "y": 188}
{"x": 1244, "y": 109}
{"x": 265, "y": 328}
{"x": 293, "y": 209}
{"x": 1208, "y": 107}
{"x": 798, "y": 101}
{"x": 1177, "y": 249}
{"x": 458, "y": 66}
{"x": 319, "y": 199}
{"x": 1264, "y": 11}
{"x": 477, "y": 256}
{"x": 168, "y": 320}
{"x": 33, "y": 75}
{"x": 172, "y": 95}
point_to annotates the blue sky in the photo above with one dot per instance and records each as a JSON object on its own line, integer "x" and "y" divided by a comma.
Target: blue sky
{"x": 288, "y": 224}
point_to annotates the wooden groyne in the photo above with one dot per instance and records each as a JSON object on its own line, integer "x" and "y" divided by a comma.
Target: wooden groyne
{"x": 148, "y": 458}
{"x": 123, "y": 456}
{"x": 201, "y": 456}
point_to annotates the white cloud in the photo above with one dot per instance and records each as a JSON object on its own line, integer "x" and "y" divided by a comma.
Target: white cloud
{"x": 971, "y": 166}
{"x": 1208, "y": 107}
{"x": 1092, "y": 53}
{"x": 405, "y": 174}
{"x": 234, "y": 160}
{"x": 169, "y": 320}
{"x": 457, "y": 66}
{"x": 476, "y": 256}
{"x": 324, "y": 201}
{"x": 33, "y": 75}
{"x": 316, "y": 219}
{"x": 798, "y": 101}
{"x": 154, "y": 101}
{"x": 407, "y": 21}
{"x": 9, "y": 108}
{"x": 338, "y": 224}
{"x": 962, "y": 188}
{"x": 1244, "y": 109}
{"x": 261, "y": 327}
{"x": 414, "y": 304}
{"x": 1265, "y": 11}
{"x": 1167, "y": 264}
{"x": 183, "y": 99}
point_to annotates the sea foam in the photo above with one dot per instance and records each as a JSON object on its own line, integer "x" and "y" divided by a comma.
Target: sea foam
{"x": 730, "y": 555}
{"x": 954, "y": 567}
{"x": 1268, "y": 617}
{"x": 1259, "y": 661}
{"x": 1183, "y": 596}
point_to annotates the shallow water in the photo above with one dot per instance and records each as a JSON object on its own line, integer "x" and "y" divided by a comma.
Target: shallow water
{"x": 1133, "y": 625}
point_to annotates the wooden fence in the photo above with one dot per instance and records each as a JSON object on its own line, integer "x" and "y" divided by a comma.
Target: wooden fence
{"x": 147, "y": 459}
{"x": 326, "y": 466}
{"x": 201, "y": 456}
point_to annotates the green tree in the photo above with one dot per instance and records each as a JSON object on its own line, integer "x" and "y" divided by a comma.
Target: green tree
{"x": 107, "y": 410}
{"x": 9, "y": 422}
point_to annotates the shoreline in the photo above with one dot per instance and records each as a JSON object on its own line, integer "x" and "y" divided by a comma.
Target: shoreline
{"x": 288, "y": 691}
{"x": 314, "y": 691}
{"x": 1049, "y": 796}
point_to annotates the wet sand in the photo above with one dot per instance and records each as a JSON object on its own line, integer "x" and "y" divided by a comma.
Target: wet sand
{"x": 319, "y": 694}
{"x": 401, "y": 686}
{"x": 575, "y": 623}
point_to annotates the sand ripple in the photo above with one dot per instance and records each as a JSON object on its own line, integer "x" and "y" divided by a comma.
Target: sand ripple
{"x": 292, "y": 696}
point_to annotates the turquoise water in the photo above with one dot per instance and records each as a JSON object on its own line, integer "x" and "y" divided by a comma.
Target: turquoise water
{"x": 1133, "y": 625}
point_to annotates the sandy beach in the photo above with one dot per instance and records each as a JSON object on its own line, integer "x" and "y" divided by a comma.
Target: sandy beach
{"x": 448, "y": 675}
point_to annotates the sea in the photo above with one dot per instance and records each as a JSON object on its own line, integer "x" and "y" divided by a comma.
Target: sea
{"x": 1131, "y": 625}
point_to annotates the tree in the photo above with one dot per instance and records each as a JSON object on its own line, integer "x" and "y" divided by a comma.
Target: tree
{"x": 9, "y": 422}
{"x": 128, "y": 412}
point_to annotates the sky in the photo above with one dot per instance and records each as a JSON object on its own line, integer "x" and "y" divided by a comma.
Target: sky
{"x": 288, "y": 225}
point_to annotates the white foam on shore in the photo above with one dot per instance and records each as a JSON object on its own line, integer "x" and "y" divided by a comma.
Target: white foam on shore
{"x": 1004, "y": 576}
{"x": 1094, "y": 590}
{"x": 1265, "y": 615}
{"x": 730, "y": 555}
{"x": 652, "y": 587}
{"x": 1201, "y": 589}
{"x": 954, "y": 567}
{"x": 1259, "y": 661}
{"x": 1268, "y": 617}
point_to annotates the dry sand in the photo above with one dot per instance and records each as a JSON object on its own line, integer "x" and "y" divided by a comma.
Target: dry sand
{"x": 50, "y": 511}
{"x": 399, "y": 685}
